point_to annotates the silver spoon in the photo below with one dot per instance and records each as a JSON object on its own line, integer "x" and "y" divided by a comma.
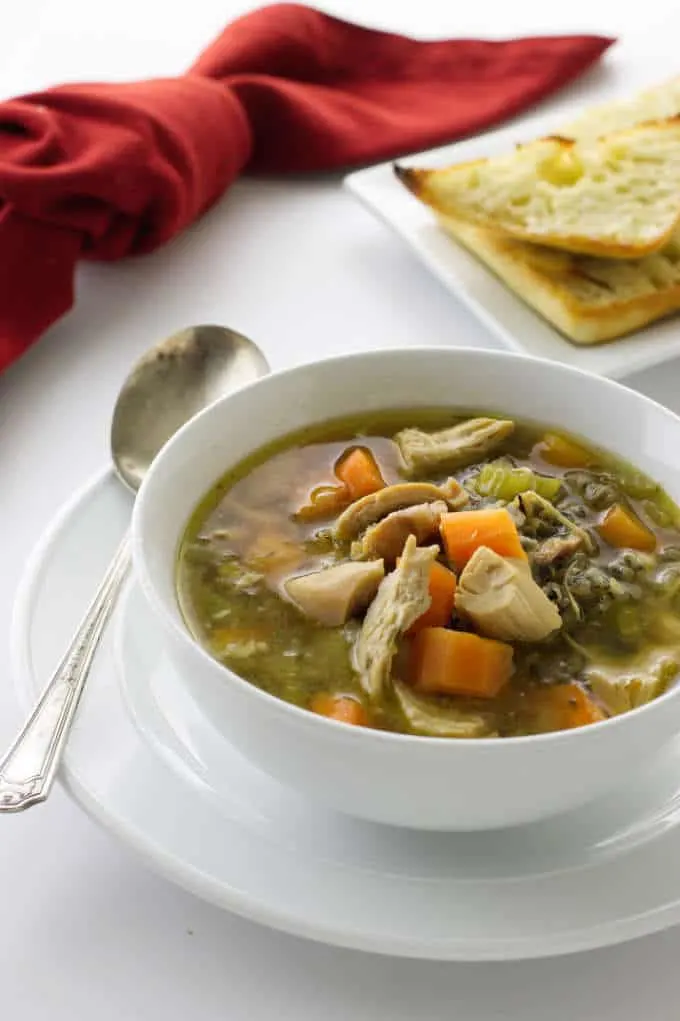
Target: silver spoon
{"x": 167, "y": 387}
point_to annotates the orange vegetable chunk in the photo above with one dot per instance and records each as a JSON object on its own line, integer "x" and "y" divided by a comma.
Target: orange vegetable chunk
{"x": 442, "y": 589}
{"x": 622, "y": 528}
{"x": 341, "y": 708}
{"x": 445, "y": 662}
{"x": 563, "y": 452}
{"x": 358, "y": 471}
{"x": 563, "y": 706}
{"x": 463, "y": 532}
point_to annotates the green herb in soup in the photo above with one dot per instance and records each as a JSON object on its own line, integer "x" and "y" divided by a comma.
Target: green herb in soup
{"x": 452, "y": 577}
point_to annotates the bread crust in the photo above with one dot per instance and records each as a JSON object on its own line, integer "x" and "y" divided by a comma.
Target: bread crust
{"x": 588, "y": 300}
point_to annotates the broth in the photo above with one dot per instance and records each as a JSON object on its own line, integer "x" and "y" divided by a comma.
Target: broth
{"x": 618, "y": 642}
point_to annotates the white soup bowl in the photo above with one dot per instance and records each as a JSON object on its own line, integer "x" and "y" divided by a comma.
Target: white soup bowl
{"x": 405, "y": 780}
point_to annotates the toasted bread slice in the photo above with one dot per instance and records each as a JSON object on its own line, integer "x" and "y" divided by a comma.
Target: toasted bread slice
{"x": 653, "y": 104}
{"x": 617, "y": 197}
{"x": 589, "y": 300}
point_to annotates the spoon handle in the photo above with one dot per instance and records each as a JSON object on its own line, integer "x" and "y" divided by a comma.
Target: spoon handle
{"x": 28, "y": 769}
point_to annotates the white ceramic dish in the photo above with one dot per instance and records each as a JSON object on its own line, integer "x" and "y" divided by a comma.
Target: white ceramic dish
{"x": 394, "y": 778}
{"x": 507, "y": 317}
{"x": 143, "y": 763}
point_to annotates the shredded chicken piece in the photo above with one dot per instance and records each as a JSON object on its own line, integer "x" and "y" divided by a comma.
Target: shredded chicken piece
{"x": 402, "y": 597}
{"x": 627, "y": 684}
{"x": 369, "y": 509}
{"x": 502, "y": 599}
{"x": 386, "y": 539}
{"x": 455, "y": 495}
{"x": 425, "y": 716}
{"x": 456, "y": 447}
{"x": 556, "y": 547}
{"x": 335, "y": 594}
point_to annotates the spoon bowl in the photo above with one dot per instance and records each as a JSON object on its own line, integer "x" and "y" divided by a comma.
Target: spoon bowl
{"x": 170, "y": 384}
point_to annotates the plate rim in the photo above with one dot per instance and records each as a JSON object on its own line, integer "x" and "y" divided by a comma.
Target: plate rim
{"x": 210, "y": 889}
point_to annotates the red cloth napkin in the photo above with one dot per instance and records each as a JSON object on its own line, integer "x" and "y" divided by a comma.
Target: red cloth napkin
{"x": 101, "y": 171}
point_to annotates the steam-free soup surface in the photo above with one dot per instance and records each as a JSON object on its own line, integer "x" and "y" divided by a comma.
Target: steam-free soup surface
{"x": 529, "y": 583}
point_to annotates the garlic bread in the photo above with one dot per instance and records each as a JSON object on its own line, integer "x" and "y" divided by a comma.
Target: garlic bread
{"x": 617, "y": 197}
{"x": 587, "y": 299}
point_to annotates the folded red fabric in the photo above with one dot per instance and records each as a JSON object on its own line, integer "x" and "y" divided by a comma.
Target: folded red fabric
{"x": 101, "y": 171}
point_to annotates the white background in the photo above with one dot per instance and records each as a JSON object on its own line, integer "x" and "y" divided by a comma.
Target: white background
{"x": 85, "y": 930}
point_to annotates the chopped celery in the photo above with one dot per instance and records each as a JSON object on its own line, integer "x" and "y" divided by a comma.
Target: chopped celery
{"x": 637, "y": 485}
{"x": 502, "y": 481}
{"x": 662, "y": 510}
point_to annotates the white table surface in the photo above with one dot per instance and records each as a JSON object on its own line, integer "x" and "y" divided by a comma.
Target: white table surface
{"x": 86, "y": 931}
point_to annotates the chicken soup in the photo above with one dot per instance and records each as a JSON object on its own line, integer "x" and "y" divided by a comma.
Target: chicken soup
{"x": 450, "y": 576}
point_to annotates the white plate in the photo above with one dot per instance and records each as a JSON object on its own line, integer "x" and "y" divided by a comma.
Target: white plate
{"x": 515, "y": 324}
{"x": 144, "y": 763}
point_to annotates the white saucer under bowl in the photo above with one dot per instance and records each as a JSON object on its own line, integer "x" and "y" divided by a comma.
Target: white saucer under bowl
{"x": 145, "y": 763}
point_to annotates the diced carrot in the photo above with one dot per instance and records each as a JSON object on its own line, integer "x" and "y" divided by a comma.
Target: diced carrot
{"x": 324, "y": 502}
{"x": 463, "y": 532}
{"x": 457, "y": 663}
{"x": 442, "y": 588}
{"x": 358, "y": 470}
{"x": 621, "y": 528}
{"x": 563, "y": 452}
{"x": 562, "y": 707}
{"x": 341, "y": 708}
